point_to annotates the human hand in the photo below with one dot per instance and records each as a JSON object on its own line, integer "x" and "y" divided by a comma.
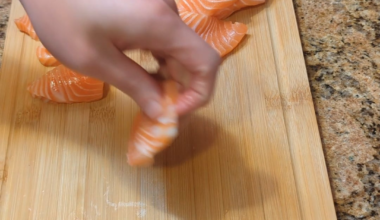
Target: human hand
{"x": 90, "y": 37}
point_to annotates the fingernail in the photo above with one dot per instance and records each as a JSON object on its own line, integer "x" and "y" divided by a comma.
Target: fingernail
{"x": 153, "y": 109}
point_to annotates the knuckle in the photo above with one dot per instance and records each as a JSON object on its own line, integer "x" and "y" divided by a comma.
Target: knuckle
{"x": 210, "y": 65}
{"x": 207, "y": 71}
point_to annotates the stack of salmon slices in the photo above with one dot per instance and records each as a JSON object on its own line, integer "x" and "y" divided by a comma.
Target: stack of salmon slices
{"x": 205, "y": 17}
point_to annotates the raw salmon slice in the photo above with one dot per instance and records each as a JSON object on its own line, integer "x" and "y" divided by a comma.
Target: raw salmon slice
{"x": 43, "y": 55}
{"x": 62, "y": 85}
{"x": 217, "y": 8}
{"x": 149, "y": 137}
{"x": 223, "y": 36}
{"x": 25, "y": 26}
{"x": 204, "y": 7}
{"x": 46, "y": 58}
{"x": 238, "y": 5}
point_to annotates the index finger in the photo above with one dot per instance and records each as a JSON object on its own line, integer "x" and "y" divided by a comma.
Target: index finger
{"x": 189, "y": 51}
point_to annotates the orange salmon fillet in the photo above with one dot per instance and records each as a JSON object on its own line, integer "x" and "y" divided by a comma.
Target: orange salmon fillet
{"x": 223, "y": 36}
{"x": 238, "y": 5}
{"x": 204, "y": 7}
{"x": 25, "y": 26}
{"x": 45, "y": 57}
{"x": 204, "y": 17}
{"x": 217, "y": 8}
{"x": 149, "y": 137}
{"x": 62, "y": 85}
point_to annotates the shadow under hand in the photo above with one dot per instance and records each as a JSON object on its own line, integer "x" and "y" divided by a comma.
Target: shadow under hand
{"x": 207, "y": 175}
{"x": 196, "y": 135}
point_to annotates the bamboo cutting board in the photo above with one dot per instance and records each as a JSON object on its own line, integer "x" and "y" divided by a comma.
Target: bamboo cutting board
{"x": 254, "y": 153}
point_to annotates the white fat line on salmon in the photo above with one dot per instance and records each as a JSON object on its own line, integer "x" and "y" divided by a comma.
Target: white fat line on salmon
{"x": 146, "y": 140}
{"x": 144, "y": 149}
{"x": 186, "y": 16}
{"x": 224, "y": 38}
{"x": 213, "y": 6}
{"x": 204, "y": 26}
{"x": 196, "y": 24}
{"x": 166, "y": 120}
{"x": 191, "y": 5}
{"x": 210, "y": 28}
{"x": 219, "y": 41}
{"x": 155, "y": 131}
{"x": 204, "y": 6}
{"x": 191, "y": 19}
{"x": 206, "y": 29}
{"x": 187, "y": 3}
{"x": 232, "y": 33}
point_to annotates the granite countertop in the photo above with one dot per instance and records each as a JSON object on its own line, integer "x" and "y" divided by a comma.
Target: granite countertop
{"x": 5, "y": 6}
{"x": 341, "y": 44}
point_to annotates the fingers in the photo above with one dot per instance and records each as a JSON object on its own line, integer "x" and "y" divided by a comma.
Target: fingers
{"x": 129, "y": 77}
{"x": 189, "y": 60}
{"x": 197, "y": 94}
{"x": 190, "y": 53}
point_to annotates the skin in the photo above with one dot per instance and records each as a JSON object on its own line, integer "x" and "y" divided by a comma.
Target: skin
{"x": 90, "y": 36}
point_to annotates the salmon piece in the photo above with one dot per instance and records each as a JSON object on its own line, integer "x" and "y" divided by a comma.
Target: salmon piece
{"x": 204, "y": 7}
{"x": 217, "y": 8}
{"x": 223, "y": 36}
{"x": 62, "y": 85}
{"x": 238, "y": 5}
{"x": 149, "y": 137}
{"x": 43, "y": 55}
{"x": 25, "y": 26}
{"x": 46, "y": 58}
{"x": 204, "y": 17}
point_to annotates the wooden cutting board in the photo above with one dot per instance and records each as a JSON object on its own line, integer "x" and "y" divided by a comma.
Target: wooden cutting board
{"x": 254, "y": 153}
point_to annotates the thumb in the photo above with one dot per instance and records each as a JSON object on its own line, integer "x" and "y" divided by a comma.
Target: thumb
{"x": 129, "y": 77}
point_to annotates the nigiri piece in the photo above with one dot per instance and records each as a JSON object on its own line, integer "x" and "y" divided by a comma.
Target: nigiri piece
{"x": 217, "y": 8}
{"x": 223, "y": 36}
{"x": 149, "y": 137}
{"x": 46, "y": 58}
{"x": 62, "y": 85}
{"x": 25, "y": 26}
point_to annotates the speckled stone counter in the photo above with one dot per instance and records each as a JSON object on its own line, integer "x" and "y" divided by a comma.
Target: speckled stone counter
{"x": 341, "y": 42}
{"x": 5, "y": 6}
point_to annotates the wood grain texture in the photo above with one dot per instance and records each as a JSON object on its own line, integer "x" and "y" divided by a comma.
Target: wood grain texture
{"x": 253, "y": 153}
{"x": 304, "y": 140}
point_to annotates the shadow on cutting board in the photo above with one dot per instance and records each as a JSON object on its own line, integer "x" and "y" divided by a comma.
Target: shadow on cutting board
{"x": 203, "y": 175}
{"x": 196, "y": 135}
